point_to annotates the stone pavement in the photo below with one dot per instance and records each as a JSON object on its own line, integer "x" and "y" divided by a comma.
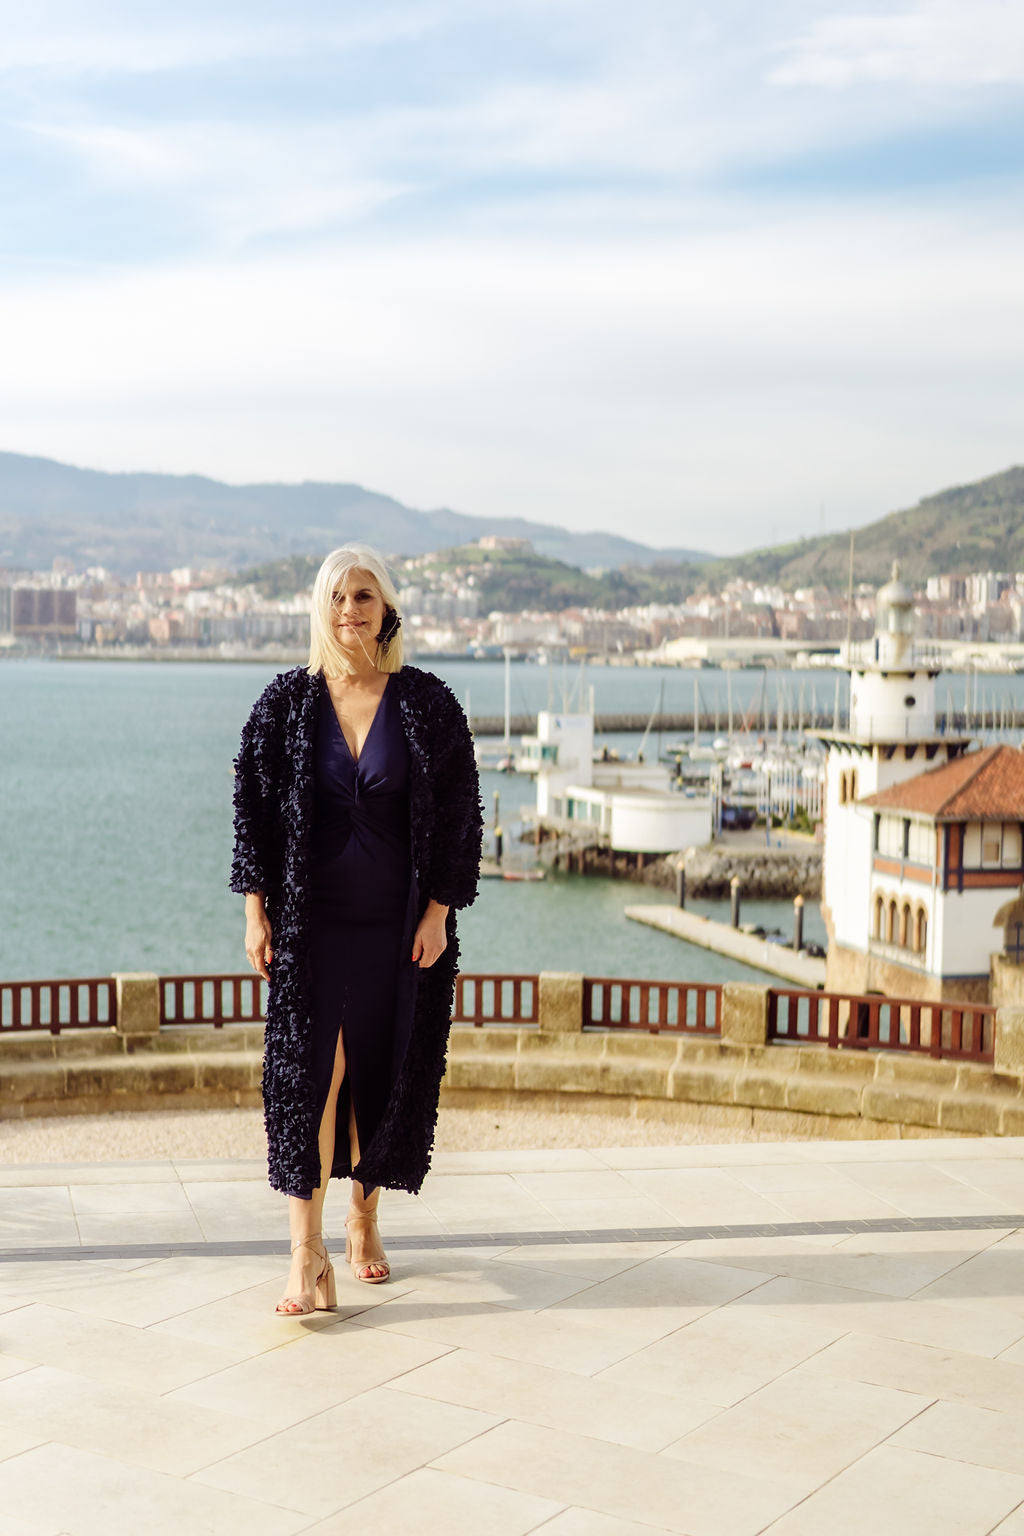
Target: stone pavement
{"x": 795, "y": 1338}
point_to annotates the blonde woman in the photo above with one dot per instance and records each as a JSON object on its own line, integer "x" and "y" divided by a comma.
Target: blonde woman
{"x": 357, "y": 836}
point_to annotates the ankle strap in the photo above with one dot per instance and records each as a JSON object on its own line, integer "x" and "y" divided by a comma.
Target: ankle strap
{"x": 304, "y": 1241}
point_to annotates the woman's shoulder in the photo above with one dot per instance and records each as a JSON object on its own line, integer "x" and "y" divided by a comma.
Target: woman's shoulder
{"x": 284, "y": 689}
{"x": 417, "y": 684}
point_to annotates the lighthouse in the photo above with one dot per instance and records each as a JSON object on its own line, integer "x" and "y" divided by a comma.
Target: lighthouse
{"x": 892, "y": 741}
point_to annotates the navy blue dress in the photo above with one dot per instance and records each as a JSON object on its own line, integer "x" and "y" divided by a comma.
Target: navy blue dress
{"x": 363, "y": 919}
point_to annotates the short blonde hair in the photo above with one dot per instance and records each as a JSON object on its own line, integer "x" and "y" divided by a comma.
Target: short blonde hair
{"x": 326, "y": 654}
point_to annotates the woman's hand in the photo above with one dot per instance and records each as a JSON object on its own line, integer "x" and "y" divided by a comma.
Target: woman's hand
{"x": 258, "y": 950}
{"x": 430, "y": 940}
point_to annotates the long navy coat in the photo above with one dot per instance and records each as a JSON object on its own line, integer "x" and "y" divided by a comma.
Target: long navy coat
{"x": 273, "y": 827}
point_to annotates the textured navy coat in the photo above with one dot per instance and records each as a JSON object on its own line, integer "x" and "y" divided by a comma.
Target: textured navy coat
{"x": 273, "y": 829}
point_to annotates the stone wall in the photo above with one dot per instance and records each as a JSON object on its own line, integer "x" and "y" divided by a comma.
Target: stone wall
{"x": 852, "y": 970}
{"x": 768, "y": 872}
{"x": 735, "y": 1081}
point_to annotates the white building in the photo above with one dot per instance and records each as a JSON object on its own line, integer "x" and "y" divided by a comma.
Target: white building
{"x": 922, "y": 838}
{"x": 946, "y": 871}
{"x": 629, "y": 806}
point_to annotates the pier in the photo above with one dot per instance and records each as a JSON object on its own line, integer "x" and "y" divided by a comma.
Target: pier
{"x": 753, "y": 721}
{"x": 765, "y": 955}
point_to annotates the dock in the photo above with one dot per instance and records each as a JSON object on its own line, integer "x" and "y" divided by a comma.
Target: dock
{"x": 778, "y": 960}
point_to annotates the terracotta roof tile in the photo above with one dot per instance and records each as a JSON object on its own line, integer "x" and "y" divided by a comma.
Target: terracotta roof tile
{"x": 987, "y": 785}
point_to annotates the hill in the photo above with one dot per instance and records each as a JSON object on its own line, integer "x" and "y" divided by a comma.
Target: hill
{"x": 510, "y": 580}
{"x": 977, "y": 527}
{"x": 133, "y": 522}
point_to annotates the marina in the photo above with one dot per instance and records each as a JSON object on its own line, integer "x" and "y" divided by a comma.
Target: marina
{"x": 116, "y": 817}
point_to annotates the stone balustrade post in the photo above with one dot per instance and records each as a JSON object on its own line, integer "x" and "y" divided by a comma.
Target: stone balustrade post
{"x": 1009, "y": 1041}
{"x": 560, "y": 1003}
{"x": 138, "y": 1003}
{"x": 744, "y": 1013}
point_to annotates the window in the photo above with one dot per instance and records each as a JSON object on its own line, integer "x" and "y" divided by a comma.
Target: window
{"x": 853, "y": 784}
{"x": 905, "y": 925}
{"x": 992, "y": 845}
{"x": 921, "y": 842}
{"x": 920, "y": 931}
{"x": 879, "y": 918}
{"x": 890, "y": 836}
{"x": 892, "y": 927}
{"x": 1013, "y": 939}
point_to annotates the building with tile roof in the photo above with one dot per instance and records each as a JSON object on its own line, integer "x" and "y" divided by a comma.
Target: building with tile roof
{"x": 924, "y": 839}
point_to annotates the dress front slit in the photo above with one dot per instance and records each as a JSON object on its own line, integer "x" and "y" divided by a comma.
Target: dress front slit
{"x": 364, "y": 907}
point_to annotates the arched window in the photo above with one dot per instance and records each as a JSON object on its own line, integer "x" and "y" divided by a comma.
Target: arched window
{"x": 1013, "y": 931}
{"x": 905, "y": 925}
{"x": 892, "y": 927}
{"x": 877, "y": 928}
{"x": 920, "y": 931}
{"x": 853, "y": 784}
{"x": 842, "y": 787}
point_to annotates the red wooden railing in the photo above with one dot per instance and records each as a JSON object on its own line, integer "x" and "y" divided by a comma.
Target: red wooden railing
{"x": 495, "y": 999}
{"x": 219, "y": 1000}
{"x": 55, "y": 1005}
{"x": 848, "y": 1021}
{"x": 661, "y": 1007}
{"x": 951, "y": 1030}
{"x": 216, "y": 1000}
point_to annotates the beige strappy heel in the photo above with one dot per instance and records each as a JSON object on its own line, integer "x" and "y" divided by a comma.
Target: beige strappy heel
{"x": 323, "y": 1297}
{"x": 359, "y": 1265}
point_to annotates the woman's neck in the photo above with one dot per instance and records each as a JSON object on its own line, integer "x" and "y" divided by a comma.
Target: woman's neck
{"x": 361, "y": 673}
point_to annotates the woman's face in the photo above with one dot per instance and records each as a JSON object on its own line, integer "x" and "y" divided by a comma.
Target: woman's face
{"x": 357, "y": 613}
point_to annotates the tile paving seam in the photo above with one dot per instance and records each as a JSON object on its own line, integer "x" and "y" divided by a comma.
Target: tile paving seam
{"x": 255, "y": 1247}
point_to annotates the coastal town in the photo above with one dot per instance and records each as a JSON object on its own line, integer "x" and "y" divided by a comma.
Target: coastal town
{"x": 217, "y": 613}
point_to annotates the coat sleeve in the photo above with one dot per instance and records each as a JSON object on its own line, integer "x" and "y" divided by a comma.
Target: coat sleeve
{"x": 256, "y": 859}
{"x": 459, "y": 822}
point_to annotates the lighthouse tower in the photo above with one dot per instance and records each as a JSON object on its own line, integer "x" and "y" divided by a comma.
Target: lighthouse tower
{"x": 892, "y": 737}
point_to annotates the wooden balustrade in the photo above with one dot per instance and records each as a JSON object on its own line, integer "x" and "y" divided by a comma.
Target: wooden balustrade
{"x": 847, "y": 1021}
{"x": 216, "y": 1000}
{"x": 671, "y": 1007}
{"x": 842, "y": 1021}
{"x": 495, "y": 999}
{"x": 88, "y": 1003}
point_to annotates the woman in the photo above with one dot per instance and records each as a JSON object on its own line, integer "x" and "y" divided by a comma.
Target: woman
{"x": 357, "y": 834}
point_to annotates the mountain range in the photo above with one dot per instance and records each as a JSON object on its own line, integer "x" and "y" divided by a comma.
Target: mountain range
{"x": 133, "y": 522}
{"x": 150, "y": 522}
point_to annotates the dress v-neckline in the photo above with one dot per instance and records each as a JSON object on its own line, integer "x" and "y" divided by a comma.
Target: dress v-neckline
{"x": 357, "y": 760}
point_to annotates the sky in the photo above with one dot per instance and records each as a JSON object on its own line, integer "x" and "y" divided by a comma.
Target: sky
{"x": 710, "y": 275}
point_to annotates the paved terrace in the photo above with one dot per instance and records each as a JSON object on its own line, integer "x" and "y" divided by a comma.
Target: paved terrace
{"x": 794, "y": 1338}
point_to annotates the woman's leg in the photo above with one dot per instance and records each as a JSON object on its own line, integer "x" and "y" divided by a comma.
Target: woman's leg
{"x": 364, "y": 1244}
{"x": 305, "y": 1217}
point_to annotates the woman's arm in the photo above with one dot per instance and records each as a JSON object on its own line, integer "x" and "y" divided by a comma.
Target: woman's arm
{"x": 430, "y": 940}
{"x": 459, "y": 824}
{"x": 257, "y": 769}
{"x": 258, "y": 949}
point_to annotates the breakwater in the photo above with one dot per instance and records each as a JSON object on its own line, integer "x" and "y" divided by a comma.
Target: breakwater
{"x": 766, "y": 873}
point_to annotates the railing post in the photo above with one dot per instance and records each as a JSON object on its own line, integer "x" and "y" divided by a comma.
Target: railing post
{"x": 744, "y": 1013}
{"x": 1009, "y": 1041}
{"x": 138, "y": 1003}
{"x": 560, "y": 1002}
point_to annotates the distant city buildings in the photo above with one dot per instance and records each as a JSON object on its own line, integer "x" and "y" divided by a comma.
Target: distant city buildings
{"x": 444, "y": 612}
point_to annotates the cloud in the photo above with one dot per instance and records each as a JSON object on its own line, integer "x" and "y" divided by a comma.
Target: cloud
{"x": 959, "y": 43}
{"x": 746, "y": 379}
{"x": 553, "y": 257}
{"x": 117, "y": 44}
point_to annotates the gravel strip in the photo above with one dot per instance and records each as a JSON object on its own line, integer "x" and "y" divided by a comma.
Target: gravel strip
{"x": 239, "y": 1133}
